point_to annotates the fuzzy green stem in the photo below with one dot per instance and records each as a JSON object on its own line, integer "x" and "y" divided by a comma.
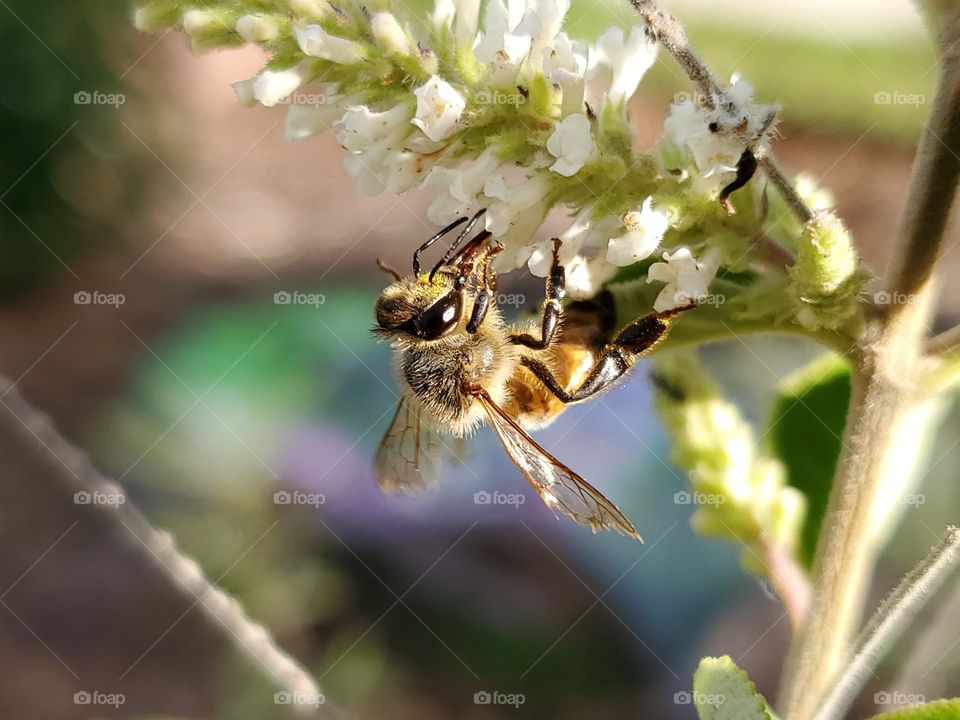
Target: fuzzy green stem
{"x": 885, "y": 387}
{"x": 891, "y": 620}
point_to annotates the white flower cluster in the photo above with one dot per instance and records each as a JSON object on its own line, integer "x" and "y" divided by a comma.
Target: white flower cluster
{"x": 418, "y": 141}
{"x": 717, "y": 130}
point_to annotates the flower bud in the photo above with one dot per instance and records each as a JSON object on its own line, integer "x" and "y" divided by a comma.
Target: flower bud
{"x": 826, "y": 278}
{"x": 156, "y": 16}
{"x": 258, "y": 28}
{"x": 209, "y": 28}
{"x": 389, "y": 33}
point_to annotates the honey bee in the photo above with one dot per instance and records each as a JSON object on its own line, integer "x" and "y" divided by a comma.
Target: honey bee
{"x": 459, "y": 369}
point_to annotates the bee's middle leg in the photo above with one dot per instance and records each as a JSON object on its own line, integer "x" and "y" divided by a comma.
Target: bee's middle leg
{"x": 618, "y": 356}
{"x": 551, "y": 306}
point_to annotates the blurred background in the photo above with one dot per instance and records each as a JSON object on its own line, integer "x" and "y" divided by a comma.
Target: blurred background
{"x": 147, "y": 223}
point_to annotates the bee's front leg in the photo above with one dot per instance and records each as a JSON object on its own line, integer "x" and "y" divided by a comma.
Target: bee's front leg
{"x": 631, "y": 343}
{"x": 551, "y": 306}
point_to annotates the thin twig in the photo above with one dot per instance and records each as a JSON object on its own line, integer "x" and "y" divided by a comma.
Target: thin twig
{"x": 671, "y": 34}
{"x": 69, "y": 467}
{"x": 892, "y": 619}
{"x": 789, "y": 581}
{"x": 933, "y": 660}
{"x": 772, "y": 169}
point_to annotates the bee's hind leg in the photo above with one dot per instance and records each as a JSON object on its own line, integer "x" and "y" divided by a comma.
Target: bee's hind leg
{"x": 551, "y": 306}
{"x": 618, "y": 356}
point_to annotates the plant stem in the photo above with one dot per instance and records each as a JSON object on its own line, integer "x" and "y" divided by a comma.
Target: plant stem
{"x": 789, "y": 581}
{"x": 671, "y": 34}
{"x": 886, "y": 384}
{"x": 773, "y": 170}
{"x": 33, "y": 436}
{"x": 891, "y": 620}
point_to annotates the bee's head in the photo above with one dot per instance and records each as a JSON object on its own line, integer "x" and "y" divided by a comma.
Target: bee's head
{"x": 429, "y": 305}
{"x": 426, "y": 307}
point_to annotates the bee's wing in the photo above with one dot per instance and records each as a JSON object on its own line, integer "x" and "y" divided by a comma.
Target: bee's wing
{"x": 408, "y": 459}
{"x": 560, "y": 488}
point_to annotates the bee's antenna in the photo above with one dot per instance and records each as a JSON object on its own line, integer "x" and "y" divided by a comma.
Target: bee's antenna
{"x": 388, "y": 270}
{"x": 431, "y": 241}
{"x": 452, "y": 250}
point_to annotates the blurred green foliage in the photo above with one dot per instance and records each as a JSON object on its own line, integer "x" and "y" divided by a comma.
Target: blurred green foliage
{"x": 66, "y": 176}
{"x": 811, "y": 404}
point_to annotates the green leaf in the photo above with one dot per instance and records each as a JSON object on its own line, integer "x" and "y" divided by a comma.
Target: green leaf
{"x": 936, "y": 710}
{"x": 722, "y": 691}
{"x": 806, "y": 425}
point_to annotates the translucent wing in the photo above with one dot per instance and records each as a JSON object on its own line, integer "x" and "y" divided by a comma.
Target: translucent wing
{"x": 408, "y": 459}
{"x": 560, "y": 488}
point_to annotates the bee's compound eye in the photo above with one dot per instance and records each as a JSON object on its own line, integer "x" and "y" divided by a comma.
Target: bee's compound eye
{"x": 441, "y": 317}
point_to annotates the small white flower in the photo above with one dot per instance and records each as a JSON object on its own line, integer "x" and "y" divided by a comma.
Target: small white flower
{"x": 499, "y": 45}
{"x": 443, "y": 14}
{"x": 372, "y": 168}
{"x": 566, "y": 63}
{"x": 439, "y": 107}
{"x": 309, "y": 8}
{"x": 511, "y": 200}
{"x": 516, "y": 240}
{"x": 375, "y": 141}
{"x": 303, "y": 121}
{"x": 361, "y": 127}
{"x": 317, "y": 42}
{"x": 645, "y": 230}
{"x": 586, "y": 231}
{"x": 716, "y": 151}
{"x": 244, "y": 92}
{"x": 585, "y": 277}
{"x": 389, "y": 33}
{"x": 571, "y": 144}
{"x": 542, "y": 22}
{"x": 257, "y": 29}
{"x": 465, "y": 21}
{"x": 274, "y": 86}
{"x": 459, "y": 187}
{"x": 686, "y": 278}
{"x": 199, "y": 22}
{"x": 623, "y": 62}
{"x": 405, "y": 169}
{"x": 515, "y": 216}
